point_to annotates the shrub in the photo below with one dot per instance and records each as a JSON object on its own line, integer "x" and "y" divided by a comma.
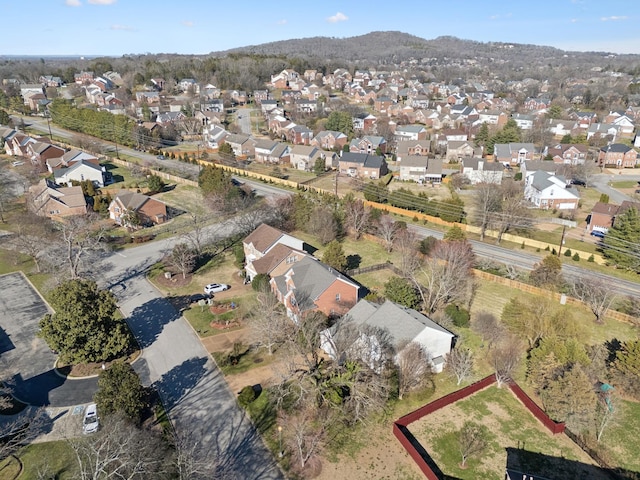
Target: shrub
{"x": 522, "y": 246}
{"x": 460, "y": 316}
{"x": 568, "y": 253}
{"x": 247, "y": 395}
{"x": 576, "y": 257}
{"x": 547, "y": 248}
{"x": 591, "y": 258}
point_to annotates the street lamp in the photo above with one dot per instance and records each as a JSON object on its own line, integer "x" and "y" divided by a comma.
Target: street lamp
{"x": 280, "y": 452}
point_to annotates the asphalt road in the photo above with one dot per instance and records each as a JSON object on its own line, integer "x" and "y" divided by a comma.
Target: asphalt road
{"x": 243, "y": 118}
{"x": 601, "y": 183}
{"x": 192, "y": 388}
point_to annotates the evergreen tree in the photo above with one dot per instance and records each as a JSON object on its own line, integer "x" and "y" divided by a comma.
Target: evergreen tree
{"x": 334, "y": 256}
{"x": 120, "y": 391}
{"x": 621, "y": 245}
{"x": 402, "y": 291}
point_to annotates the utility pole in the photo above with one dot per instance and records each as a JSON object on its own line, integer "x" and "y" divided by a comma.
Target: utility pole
{"x": 336, "y": 190}
{"x": 564, "y": 229}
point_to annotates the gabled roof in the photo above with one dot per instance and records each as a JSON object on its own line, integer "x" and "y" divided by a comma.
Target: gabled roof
{"x": 410, "y": 128}
{"x": 273, "y": 258}
{"x": 311, "y": 278}
{"x": 367, "y": 160}
{"x": 616, "y": 148}
{"x": 59, "y": 172}
{"x": 404, "y": 324}
{"x": 132, "y": 200}
{"x": 263, "y": 237}
{"x": 605, "y": 209}
{"x": 473, "y": 163}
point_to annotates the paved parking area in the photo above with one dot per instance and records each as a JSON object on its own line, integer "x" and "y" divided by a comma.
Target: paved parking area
{"x": 21, "y": 308}
{"x": 25, "y": 359}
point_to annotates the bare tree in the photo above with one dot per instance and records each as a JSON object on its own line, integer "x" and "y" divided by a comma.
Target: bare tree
{"x": 505, "y": 359}
{"x": 120, "y": 450}
{"x": 182, "y": 258}
{"x": 270, "y": 324}
{"x": 489, "y": 328}
{"x": 387, "y": 229}
{"x": 460, "y": 362}
{"x": 514, "y": 212}
{"x": 323, "y": 224}
{"x": 33, "y": 234}
{"x": 447, "y": 275}
{"x": 595, "y": 294}
{"x": 472, "y": 440}
{"x": 81, "y": 235}
{"x": 196, "y": 236}
{"x": 357, "y": 216}
{"x": 22, "y": 430}
{"x": 487, "y": 200}
{"x": 305, "y": 432}
{"x": 191, "y": 463}
{"x": 414, "y": 368}
{"x": 406, "y": 243}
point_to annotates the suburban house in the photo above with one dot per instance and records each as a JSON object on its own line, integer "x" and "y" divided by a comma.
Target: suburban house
{"x": 513, "y": 153}
{"x": 457, "y": 150}
{"x": 50, "y": 200}
{"x": 410, "y": 132}
{"x": 364, "y": 122}
{"x": 299, "y": 135}
{"x": 548, "y": 191}
{"x": 39, "y": 152}
{"x": 478, "y": 170}
{"x": 569, "y": 153}
{"x": 328, "y": 140}
{"x": 603, "y": 130}
{"x": 310, "y": 285}
{"x": 368, "y": 144}
{"x": 261, "y": 241}
{"x": 269, "y": 151}
{"x": 412, "y": 147}
{"x": 603, "y": 215}
{"x": 276, "y": 261}
{"x": 529, "y": 168}
{"x": 617, "y": 155}
{"x": 306, "y": 106}
{"x": 362, "y": 165}
{"x": 404, "y": 325}
{"x": 69, "y": 158}
{"x": 149, "y": 210}
{"x": 242, "y": 145}
{"x": 214, "y": 135}
{"x": 421, "y": 169}
{"x": 79, "y": 172}
{"x": 304, "y": 157}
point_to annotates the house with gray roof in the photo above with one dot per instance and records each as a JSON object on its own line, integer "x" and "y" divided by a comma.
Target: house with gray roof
{"x": 362, "y": 165}
{"x": 310, "y": 285}
{"x": 80, "y": 171}
{"x": 410, "y": 132}
{"x": 548, "y": 191}
{"x": 479, "y": 170}
{"x": 421, "y": 169}
{"x": 403, "y": 325}
{"x": 513, "y": 153}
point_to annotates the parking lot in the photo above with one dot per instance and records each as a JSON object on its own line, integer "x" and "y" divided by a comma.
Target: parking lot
{"x": 26, "y": 361}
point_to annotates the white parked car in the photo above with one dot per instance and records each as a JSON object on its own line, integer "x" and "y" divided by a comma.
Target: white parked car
{"x": 90, "y": 423}
{"x": 215, "y": 288}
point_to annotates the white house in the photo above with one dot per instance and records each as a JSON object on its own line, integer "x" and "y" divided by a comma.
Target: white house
{"x": 80, "y": 171}
{"x": 547, "y": 191}
{"x": 478, "y": 170}
{"x": 403, "y": 324}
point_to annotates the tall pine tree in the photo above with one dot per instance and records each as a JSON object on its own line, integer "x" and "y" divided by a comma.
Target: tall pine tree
{"x": 621, "y": 245}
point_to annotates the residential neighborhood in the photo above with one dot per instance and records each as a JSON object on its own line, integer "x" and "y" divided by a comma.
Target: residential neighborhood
{"x": 244, "y": 261}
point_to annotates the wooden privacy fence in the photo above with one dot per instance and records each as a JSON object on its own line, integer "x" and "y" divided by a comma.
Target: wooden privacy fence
{"x": 419, "y": 454}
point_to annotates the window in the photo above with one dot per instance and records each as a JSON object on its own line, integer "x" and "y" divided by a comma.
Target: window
{"x": 337, "y": 297}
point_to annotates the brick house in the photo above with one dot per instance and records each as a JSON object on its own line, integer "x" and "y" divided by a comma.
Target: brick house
{"x": 329, "y": 140}
{"x": 309, "y": 285}
{"x": 149, "y": 210}
{"x": 362, "y": 165}
{"x": 368, "y": 144}
{"x": 261, "y": 241}
{"x": 52, "y": 201}
{"x": 412, "y": 147}
{"x": 617, "y": 155}
{"x": 603, "y": 215}
{"x": 569, "y": 153}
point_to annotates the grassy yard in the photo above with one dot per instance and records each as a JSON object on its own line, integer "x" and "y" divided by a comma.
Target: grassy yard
{"x": 247, "y": 359}
{"x": 624, "y": 184}
{"x": 184, "y": 197}
{"x": 55, "y": 457}
{"x": 508, "y": 424}
{"x": 201, "y": 318}
{"x": 621, "y": 439}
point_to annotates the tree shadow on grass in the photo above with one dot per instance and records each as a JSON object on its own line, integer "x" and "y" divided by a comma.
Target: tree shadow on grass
{"x": 353, "y": 261}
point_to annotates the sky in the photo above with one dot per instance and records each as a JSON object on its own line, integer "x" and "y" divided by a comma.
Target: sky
{"x": 120, "y": 27}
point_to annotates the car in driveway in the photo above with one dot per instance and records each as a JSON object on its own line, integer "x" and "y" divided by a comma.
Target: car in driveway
{"x": 91, "y": 423}
{"x": 215, "y": 288}
{"x": 597, "y": 233}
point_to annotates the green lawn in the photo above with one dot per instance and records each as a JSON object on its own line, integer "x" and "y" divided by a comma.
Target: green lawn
{"x": 624, "y": 184}
{"x": 508, "y": 424}
{"x": 620, "y": 439}
{"x": 57, "y": 457}
{"x": 248, "y": 359}
{"x": 200, "y": 319}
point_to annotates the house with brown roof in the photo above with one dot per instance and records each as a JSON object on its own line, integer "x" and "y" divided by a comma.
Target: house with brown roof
{"x": 261, "y": 241}
{"x": 412, "y": 147}
{"x": 603, "y": 215}
{"x": 148, "y": 210}
{"x": 52, "y": 201}
{"x": 569, "y": 153}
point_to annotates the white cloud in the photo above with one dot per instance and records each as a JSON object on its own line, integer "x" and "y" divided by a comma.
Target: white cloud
{"x": 73, "y": 3}
{"x": 187, "y": 23}
{"x": 124, "y": 28}
{"x": 338, "y": 17}
{"x": 102, "y": 2}
{"x": 614, "y": 18}
{"x": 574, "y": 20}
{"x": 282, "y": 22}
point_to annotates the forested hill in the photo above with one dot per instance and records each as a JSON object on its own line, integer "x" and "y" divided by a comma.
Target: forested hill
{"x": 394, "y": 47}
